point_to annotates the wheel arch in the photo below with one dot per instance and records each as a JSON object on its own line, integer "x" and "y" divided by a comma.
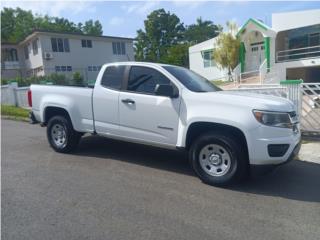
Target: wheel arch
{"x": 198, "y": 128}
{"x": 51, "y": 111}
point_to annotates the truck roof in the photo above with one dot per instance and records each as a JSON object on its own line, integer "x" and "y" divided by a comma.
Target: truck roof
{"x": 138, "y": 63}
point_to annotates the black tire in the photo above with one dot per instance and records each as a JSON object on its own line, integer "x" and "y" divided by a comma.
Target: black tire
{"x": 237, "y": 160}
{"x": 71, "y": 138}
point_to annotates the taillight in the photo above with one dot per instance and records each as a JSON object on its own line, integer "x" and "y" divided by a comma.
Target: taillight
{"x": 29, "y": 98}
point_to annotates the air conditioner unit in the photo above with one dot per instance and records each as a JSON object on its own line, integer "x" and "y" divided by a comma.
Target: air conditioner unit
{"x": 48, "y": 55}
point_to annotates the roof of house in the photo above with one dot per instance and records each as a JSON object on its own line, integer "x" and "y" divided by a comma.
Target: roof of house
{"x": 256, "y": 22}
{"x": 37, "y": 31}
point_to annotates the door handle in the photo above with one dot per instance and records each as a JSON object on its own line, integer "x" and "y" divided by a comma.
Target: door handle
{"x": 128, "y": 101}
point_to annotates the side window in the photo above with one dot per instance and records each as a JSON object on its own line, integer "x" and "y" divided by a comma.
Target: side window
{"x": 144, "y": 80}
{"x": 112, "y": 77}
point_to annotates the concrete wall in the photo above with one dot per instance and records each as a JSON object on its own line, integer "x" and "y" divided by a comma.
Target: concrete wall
{"x": 79, "y": 57}
{"x": 34, "y": 61}
{"x": 282, "y": 67}
{"x": 196, "y": 61}
{"x": 290, "y": 20}
{"x": 12, "y": 95}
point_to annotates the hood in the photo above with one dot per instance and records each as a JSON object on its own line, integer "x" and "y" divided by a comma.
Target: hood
{"x": 250, "y": 100}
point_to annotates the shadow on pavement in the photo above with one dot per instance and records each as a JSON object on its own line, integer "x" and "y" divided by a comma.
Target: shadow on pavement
{"x": 169, "y": 160}
{"x": 297, "y": 180}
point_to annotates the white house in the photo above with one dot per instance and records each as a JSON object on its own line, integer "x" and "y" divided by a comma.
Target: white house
{"x": 290, "y": 49}
{"x": 44, "y": 52}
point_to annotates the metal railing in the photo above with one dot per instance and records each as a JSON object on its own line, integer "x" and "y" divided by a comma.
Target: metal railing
{"x": 298, "y": 53}
{"x": 263, "y": 70}
{"x": 310, "y": 107}
{"x": 245, "y": 76}
{"x": 10, "y": 65}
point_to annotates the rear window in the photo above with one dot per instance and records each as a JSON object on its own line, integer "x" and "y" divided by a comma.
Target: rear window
{"x": 112, "y": 77}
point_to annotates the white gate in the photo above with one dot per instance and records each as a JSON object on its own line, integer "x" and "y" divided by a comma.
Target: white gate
{"x": 310, "y": 107}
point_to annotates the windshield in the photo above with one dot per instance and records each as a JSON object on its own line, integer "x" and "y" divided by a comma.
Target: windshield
{"x": 191, "y": 80}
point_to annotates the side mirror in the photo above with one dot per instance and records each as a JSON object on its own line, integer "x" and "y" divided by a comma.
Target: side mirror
{"x": 166, "y": 90}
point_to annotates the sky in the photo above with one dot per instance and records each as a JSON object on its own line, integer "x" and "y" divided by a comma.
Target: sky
{"x": 124, "y": 18}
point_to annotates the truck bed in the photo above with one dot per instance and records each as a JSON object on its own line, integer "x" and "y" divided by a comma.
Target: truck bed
{"x": 76, "y": 100}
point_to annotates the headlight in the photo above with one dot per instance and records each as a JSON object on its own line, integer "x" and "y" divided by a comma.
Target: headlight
{"x": 273, "y": 119}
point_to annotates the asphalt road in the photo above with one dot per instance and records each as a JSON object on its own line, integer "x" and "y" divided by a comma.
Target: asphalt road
{"x": 115, "y": 190}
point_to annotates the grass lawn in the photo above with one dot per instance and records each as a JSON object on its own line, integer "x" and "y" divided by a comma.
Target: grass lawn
{"x": 13, "y": 112}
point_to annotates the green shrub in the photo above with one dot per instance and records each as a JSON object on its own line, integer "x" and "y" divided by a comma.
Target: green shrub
{"x": 53, "y": 78}
{"x": 77, "y": 79}
{"x": 57, "y": 79}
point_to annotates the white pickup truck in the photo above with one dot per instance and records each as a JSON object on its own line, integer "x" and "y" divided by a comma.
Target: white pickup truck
{"x": 225, "y": 132}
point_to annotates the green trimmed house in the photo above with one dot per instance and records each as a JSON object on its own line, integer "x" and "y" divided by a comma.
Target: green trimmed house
{"x": 290, "y": 49}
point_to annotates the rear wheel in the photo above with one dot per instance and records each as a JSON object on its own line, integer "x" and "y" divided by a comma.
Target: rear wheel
{"x": 218, "y": 159}
{"x": 61, "y": 135}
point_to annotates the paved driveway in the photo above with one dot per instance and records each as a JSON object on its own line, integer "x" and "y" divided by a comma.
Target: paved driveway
{"x": 114, "y": 190}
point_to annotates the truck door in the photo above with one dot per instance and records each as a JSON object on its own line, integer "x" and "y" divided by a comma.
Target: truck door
{"x": 105, "y": 100}
{"x": 145, "y": 116}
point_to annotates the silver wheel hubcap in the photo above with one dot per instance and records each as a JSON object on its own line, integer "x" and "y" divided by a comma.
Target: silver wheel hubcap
{"x": 58, "y": 135}
{"x": 214, "y": 160}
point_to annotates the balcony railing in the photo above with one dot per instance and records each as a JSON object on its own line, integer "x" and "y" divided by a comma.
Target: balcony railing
{"x": 7, "y": 65}
{"x": 298, "y": 54}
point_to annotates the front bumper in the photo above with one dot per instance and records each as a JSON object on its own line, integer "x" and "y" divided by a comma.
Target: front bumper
{"x": 262, "y": 137}
{"x": 257, "y": 170}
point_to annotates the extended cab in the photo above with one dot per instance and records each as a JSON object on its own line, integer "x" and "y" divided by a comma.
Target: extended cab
{"x": 225, "y": 132}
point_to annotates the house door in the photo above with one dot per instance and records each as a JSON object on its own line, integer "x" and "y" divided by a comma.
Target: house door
{"x": 256, "y": 56}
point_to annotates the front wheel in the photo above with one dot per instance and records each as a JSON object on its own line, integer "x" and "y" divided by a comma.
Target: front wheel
{"x": 218, "y": 159}
{"x": 61, "y": 135}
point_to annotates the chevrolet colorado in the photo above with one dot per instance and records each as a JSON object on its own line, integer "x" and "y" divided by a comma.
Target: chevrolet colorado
{"x": 225, "y": 132}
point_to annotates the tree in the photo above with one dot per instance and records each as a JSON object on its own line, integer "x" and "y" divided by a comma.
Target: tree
{"x": 166, "y": 40}
{"x": 92, "y": 28}
{"x": 16, "y": 24}
{"x": 201, "y": 31}
{"x": 226, "y": 52}
{"x": 162, "y": 30}
{"x": 177, "y": 55}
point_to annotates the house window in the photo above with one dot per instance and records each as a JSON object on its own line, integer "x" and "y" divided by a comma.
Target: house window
{"x": 118, "y": 48}
{"x": 35, "y": 47}
{"x": 86, "y": 43}
{"x": 26, "y": 52}
{"x": 63, "y": 68}
{"x": 60, "y": 45}
{"x": 66, "y": 45}
{"x": 208, "y": 59}
{"x": 94, "y": 68}
{"x": 10, "y": 55}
